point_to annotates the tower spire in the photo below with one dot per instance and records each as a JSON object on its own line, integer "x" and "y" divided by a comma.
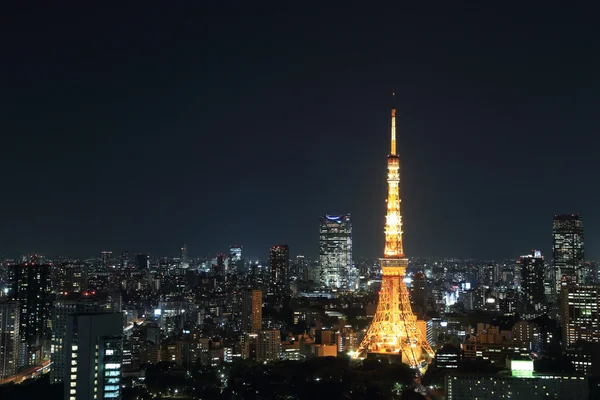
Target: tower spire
{"x": 395, "y": 329}
{"x": 393, "y": 146}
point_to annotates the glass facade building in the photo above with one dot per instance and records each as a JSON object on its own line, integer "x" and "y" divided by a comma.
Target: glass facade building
{"x": 335, "y": 252}
{"x": 567, "y": 250}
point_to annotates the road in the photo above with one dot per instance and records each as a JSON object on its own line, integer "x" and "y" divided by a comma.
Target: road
{"x": 28, "y": 373}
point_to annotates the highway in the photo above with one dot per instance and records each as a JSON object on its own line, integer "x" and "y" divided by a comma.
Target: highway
{"x": 28, "y": 373}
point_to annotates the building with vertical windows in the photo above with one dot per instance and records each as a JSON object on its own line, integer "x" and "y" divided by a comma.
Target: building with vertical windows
{"x": 30, "y": 286}
{"x": 106, "y": 258}
{"x": 235, "y": 262}
{"x": 279, "y": 262}
{"x": 183, "y": 257}
{"x": 580, "y": 308}
{"x": 335, "y": 251}
{"x": 252, "y": 311}
{"x": 268, "y": 346}
{"x": 68, "y": 304}
{"x": 532, "y": 301}
{"x": 567, "y": 250}
{"x": 9, "y": 338}
{"x": 94, "y": 355}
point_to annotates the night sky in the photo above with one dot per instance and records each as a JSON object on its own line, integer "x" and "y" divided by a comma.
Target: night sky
{"x": 144, "y": 128}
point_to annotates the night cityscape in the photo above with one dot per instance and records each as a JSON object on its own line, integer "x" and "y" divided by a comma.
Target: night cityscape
{"x": 273, "y": 201}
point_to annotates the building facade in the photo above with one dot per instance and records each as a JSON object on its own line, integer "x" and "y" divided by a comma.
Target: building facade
{"x": 252, "y": 311}
{"x": 532, "y": 301}
{"x": 335, "y": 251}
{"x": 268, "y": 346}
{"x": 9, "y": 338}
{"x": 94, "y": 356}
{"x": 580, "y": 308}
{"x": 279, "y": 262}
{"x": 65, "y": 305}
{"x": 30, "y": 286}
{"x": 567, "y": 250}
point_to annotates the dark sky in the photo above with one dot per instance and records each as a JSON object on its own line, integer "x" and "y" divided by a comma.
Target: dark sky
{"x": 231, "y": 122}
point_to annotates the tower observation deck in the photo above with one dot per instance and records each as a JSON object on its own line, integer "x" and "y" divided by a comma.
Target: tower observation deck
{"x": 395, "y": 330}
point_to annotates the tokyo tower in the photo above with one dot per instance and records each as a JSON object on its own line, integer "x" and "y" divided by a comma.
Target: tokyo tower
{"x": 395, "y": 330}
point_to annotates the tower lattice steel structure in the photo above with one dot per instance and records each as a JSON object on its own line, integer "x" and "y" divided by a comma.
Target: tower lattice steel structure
{"x": 395, "y": 329}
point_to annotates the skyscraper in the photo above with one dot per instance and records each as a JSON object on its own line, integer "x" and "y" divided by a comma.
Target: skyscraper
{"x": 279, "y": 262}
{"x": 532, "y": 301}
{"x": 9, "y": 338}
{"x": 580, "y": 313}
{"x": 68, "y": 304}
{"x": 567, "y": 249}
{"x": 251, "y": 311}
{"x": 94, "y": 355}
{"x": 236, "y": 263}
{"x": 106, "y": 258}
{"x": 142, "y": 261}
{"x": 31, "y": 288}
{"x": 335, "y": 251}
{"x": 183, "y": 257}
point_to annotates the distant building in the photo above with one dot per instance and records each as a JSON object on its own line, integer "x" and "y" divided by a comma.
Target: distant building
{"x": 335, "y": 251}
{"x": 142, "y": 261}
{"x": 183, "y": 257}
{"x": 567, "y": 250}
{"x": 268, "y": 346}
{"x": 94, "y": 356}
{"x": 252, "y": 311}
{"x": 9, "y": 338}
{"x": 236, "y": 263}
{"x": 279, "y": 261}
{"x": 532, "y": 301}
{"x": 447, "y": 357}
{"x": 419, "y": 294}
{"x": 31, "y": 288}
{"x": 580, "y": 308}
{"x": 106, "y": 258}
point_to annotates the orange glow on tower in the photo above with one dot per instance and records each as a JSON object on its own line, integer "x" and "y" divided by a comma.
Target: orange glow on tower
{"x": 395, "y": 329}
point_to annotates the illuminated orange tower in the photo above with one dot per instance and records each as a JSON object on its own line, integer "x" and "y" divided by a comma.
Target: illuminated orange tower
{"x": 395, "y": 330}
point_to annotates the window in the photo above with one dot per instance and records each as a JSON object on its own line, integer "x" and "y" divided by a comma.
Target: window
{"x": 109, "y": 352}
{"x": 112, "y": 366}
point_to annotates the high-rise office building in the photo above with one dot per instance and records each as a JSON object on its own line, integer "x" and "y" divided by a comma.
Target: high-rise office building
{"x": 490, "y": 275}
{"x": 567, "y": 249}
{"x": 580, "y": 313}
{"x": 251, "y": 311}
{"x": 235, "y": 262}
{"x": 124, "y": 260}
{"x": 106, "y": 258}
{"x": 418, "y": 294}
{"x": 532, "y": 301}
{"x": 31, "y": 288}
{"x": 335, "y": 251}
{"x": 9, "y": 338}
{"x": 94, "y": 355}
{"x": 68, "y": 304}
{"x": 279, "y": 262}
{"x": 142, "y": 261}
{"x": 183, "y": 257}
